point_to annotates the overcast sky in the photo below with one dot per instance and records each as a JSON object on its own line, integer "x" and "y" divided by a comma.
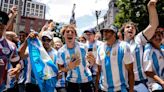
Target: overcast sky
{"x": 60, "y": 11}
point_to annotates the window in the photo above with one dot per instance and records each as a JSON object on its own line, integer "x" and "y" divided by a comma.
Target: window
{"x": 32, "y": 10}
{"x": 27, "y": 13}
{"x": 6, "y": 1}
{"x": 37, "y": 6}
{"x": 41, "y": 7}
{"x": 28, "y": 9}
{"x": 10, "y": 6}
{"x": 40, "y": 15}
{"x": 41, "y": 11}
{"x": 28, "y": 5}
{"x": 36, "y": 11}
{"x": 5, "y": 9}
{"x": 5, "y": 5}
{"x": 11, "y": 2}
{"x": 32, "y": 13}
{"x": 16, "y": 2}
{"x": 36, "y": 14}
{"x": 33, "y": 5}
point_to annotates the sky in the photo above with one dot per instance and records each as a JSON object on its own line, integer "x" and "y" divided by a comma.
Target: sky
{"x": 60, "y": 11}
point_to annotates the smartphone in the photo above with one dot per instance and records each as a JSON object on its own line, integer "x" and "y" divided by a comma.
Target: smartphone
{"x": 90, "y": 49}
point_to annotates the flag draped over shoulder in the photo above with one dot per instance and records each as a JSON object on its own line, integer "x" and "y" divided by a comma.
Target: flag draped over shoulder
{"x": 44, "y": 69}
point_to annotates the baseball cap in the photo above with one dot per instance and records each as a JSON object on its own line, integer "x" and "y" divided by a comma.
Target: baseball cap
{"x": 110, "y": 28}
{"x": 91, "y": 30}
{"x": 47, "y": 34}
{"x": 3, "y": 18}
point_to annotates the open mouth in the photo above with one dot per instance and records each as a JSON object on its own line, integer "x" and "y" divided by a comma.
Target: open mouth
{"x": 69, "y": 38}
{"x": 130, "y": 32}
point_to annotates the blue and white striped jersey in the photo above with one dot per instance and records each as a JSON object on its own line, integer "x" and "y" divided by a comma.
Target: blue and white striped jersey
{"x": 80, "y": 74}
{"x": 53, "y": 54}
{"x": 94, "y": 46}
{"x": 29, "y": 75}
{"x": 137, "y": 50}
{"x": 154, "y": 60}
{"x": 113, "y": 60}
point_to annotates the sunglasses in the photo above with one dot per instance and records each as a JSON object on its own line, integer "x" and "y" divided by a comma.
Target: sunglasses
{"x": 44, "y": 39}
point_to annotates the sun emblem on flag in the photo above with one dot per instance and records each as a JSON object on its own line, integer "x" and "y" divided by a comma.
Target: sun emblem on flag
{"x": 108, "y": 53}
{"x": 67, "y": 57}
{"x": 102, "y": 54}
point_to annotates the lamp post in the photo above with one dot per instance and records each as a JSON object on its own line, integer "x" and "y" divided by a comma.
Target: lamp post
{"x": 97, "y": 17}
{"x": 18, "y": 16}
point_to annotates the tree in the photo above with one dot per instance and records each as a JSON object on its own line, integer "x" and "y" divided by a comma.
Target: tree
{"x": 136, "y": 11}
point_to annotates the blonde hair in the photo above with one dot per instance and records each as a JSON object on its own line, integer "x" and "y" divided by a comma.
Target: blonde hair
{"x": 62, "y": 31}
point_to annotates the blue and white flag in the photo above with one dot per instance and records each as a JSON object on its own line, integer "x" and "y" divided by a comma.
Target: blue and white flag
{"x": 44, "y": 69}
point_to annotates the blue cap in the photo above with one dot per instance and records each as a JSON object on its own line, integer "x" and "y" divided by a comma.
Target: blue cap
{"x": 91, "y": 30}
{"x": 3, "y": 18}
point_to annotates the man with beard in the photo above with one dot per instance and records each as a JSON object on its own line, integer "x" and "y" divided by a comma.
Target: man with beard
{"x": 47, "y": 40}
{"x": 71, "y": 59}
{"x": 154, "y": 62}
{"x": 115, "y": 64}
{"x": 137, "y": 43}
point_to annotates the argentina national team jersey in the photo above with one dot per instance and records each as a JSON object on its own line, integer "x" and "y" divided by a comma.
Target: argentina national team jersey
{"x": 94, "y": 46}
{"x": 154, "y": 60}
{"x": 29, "y": 75}
{"x": 53, "y": 55}
{"x": 80, "y": 74}
{"x": 112, "y": 60}
{"x": 137, "y": 49}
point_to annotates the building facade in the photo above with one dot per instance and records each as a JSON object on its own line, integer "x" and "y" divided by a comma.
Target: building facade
{"x": 28, "y": 8}
{"x": 28, "y": 23}
{"x": 32, "y": 14}
{"x": 35, "y": 9}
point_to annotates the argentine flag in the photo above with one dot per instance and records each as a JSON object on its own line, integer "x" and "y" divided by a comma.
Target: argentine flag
{"x": 44, "y": 69}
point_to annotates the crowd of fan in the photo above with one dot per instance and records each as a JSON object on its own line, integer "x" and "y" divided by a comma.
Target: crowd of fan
{"x": 105, "y": 61}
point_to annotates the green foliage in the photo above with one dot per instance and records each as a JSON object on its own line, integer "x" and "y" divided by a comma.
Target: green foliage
{"x": 136, "y": 11}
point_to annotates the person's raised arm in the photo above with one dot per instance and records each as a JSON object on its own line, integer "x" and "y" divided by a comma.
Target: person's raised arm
{"x": 23, "y": 47}
{"x": 153, "y": 20}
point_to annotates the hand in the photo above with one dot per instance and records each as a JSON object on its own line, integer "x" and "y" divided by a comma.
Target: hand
{"x": 90, "y": 58}
{"x": 45, "y": 27}
{"x": 162, "y": 84}
{"x": 59, "y": 76}
{"x": 14, "y": 72}
{"x": 32, "y": 35}
{"x": 14, "y": 10}
{"x": 152, "y": 2}
{"x": 74, "y": 64}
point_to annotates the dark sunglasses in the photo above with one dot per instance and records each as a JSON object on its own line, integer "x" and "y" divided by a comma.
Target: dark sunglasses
{"x": 44, "y": 39}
